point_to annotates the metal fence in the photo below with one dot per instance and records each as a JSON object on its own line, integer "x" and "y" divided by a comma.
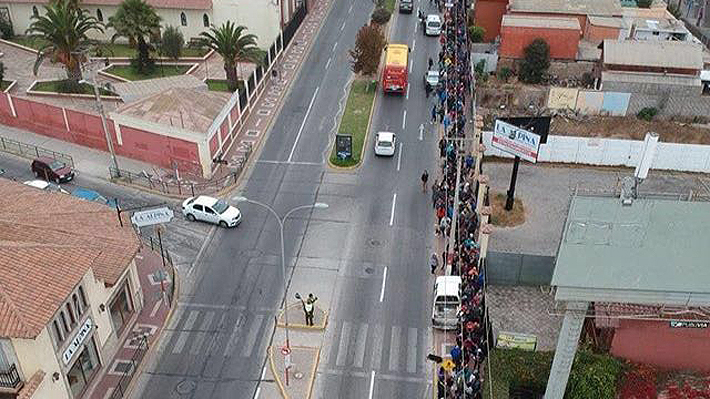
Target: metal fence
{"x": 32, "y": 151}
{"x": 505, "y": 268}
{"x": 136, "y": 359}
{"x": 290, "y": 29}
{"x": 178, "y": 187}
{"x": 155, "y": 245}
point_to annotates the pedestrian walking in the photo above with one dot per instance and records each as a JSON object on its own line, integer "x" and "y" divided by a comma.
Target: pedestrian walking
{"x": 433, "y": 262}
{"x": 433, "y": 114}
{"x": 431, "y": 63}
{"x": 425, "y": 178}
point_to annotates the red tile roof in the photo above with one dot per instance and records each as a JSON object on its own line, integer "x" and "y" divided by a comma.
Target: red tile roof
{"x": 48, "y": 241}
{"x": 174, "y": 4}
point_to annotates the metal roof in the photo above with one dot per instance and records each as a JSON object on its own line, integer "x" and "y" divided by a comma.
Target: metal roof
{"x": 653, "y": 53}
{"x": 524, "y": 21}
{"x": 649, "y": 250}
{"x": 582, "y": 7}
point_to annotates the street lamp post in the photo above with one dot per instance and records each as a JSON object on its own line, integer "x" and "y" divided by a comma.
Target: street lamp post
{"x": 281, "y": 221}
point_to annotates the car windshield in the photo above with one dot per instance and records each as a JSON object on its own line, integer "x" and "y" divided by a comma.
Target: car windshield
{"x": 433, "y": 24}
{"x": 220, "y": 206}
{"x": 56, "y": 165}
{"x": 384, "y": 144}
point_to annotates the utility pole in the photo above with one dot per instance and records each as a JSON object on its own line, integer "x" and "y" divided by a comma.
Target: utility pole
{"x": 109, "y": 142}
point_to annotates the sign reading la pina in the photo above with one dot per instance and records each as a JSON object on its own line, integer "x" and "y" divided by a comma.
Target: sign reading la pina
{"x": 516, "y": 141}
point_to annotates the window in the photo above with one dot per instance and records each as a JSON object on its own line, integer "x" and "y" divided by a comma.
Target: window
{"x": 57, "y": 332}
{"x": 72, "y": 320}
{"x": 121, "y": 309}
{"x": 35, "y": 12}
{"x": 99, "y": 15}
{"x": 83, "y": 298}
{"x": 83, "y": 370}
{"x": 183, "y": 19}
{"x": 64, "y": 322}
{"x": 4, "y": 361}
{"x": 209, "y": 211}
{"x": 198, "y": 208}
{"x": 205, "y": 20}
{"x": 656, "y": 33}
{"x": 77, "y": 305}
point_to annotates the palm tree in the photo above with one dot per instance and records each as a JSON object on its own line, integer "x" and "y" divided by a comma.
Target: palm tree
{"x": 229, "y": 42}
{"x": 64, "y": 28}
{"x": 137, "y": 21}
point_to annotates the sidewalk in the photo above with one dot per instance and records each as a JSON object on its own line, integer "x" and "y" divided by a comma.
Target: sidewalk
{"x": 149, "y": 323}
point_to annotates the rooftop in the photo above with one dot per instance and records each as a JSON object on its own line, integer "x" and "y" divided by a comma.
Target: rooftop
{"x": 48, "y": 243}
{"x": 132, "y": 91}
{"x": 653, "y": 53}
{"x": 189, "y": 109}
{"x": 175, "y": 4}
{"x": 612, "y": 22}
{"x": 657, "y": 24}
{"x": 524, "y": 21}
{"x": 652, "y": 245}
{"x": 583, "y": 7}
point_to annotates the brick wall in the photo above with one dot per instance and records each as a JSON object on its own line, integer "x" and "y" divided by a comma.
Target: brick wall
{"x": 596, "y": 33}
{"x": 488, "y": 14}
{"x": 564, "y": 43}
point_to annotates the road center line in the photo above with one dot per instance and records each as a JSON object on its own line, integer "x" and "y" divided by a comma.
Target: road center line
{"x": 327, "y": 64}
{"x": 416, "y": 25}
{"x": 300, "y": 130}
{"x": 404, "y": 118}
{"x": 394, "y": 203}
{"x": 343, "y": 26}
{"x": 414, "y": 44}
{"x": 399, "y": 157}
{"x": 407, "y": 92}
{"x": 410, "y": 67}
{"x": 372, "y": 384}
{"x": 350, "y": 9}
{"x": 334, "y": 46}
{"x": 384, "y": 283}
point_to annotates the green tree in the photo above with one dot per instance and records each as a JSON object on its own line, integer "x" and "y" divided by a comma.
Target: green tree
{"x": 230, "y": 41}
{"x": 476, "y": 33}
{"x": 171, "y": 42}
{"x": 137, "y": 21}
{"x": 64, "y": 28}
{"x": 365, "y": 57}
{"x": 536, "y": 61}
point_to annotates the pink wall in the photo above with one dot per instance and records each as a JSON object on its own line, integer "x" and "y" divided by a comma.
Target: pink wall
{"x": 158, "y": 149}
{"x": 564, "y": 43}
{"x": 214, "y": 145}
{"x": 655, "y": 342}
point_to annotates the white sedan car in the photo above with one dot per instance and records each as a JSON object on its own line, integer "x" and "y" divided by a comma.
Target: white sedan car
{"x": 385, "y": 143}
{"x": 211, "y": 210}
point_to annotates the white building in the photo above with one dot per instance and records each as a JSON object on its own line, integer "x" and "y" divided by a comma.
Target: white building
{"x": 264, "y": 18}
{"x": 68, "y": 290}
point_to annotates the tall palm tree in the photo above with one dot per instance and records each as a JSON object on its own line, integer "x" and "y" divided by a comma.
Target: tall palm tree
{"x": 229, "y": 42}
{"x": 137, "y": 21}
{"x": 65, "y": 29}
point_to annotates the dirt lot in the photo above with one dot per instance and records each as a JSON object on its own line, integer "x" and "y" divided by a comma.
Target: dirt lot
{"x": 630, "y": 127}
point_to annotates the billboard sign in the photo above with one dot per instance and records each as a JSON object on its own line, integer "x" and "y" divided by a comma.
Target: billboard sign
{"x": 507, "y": 340}
{"x": 516, "y": 141}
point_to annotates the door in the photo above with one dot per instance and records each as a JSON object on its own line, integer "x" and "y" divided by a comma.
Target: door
{"x": 211, "y": 216}
{"x": 198, "y": 211}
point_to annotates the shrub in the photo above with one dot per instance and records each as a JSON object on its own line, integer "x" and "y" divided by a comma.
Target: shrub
{"x": 594, "y": 376}
{"x": 587, "y": 79}
{"x": 476, "y": 33}
{"x": 365, "y": 57}
{"x": 6, "y": 29}
{"x": 536, "y": 61}
{"x": 381, "y": 16}
{"x": 647, "y": 113}
{"x": 505, "y": 73}
{"x": 172, "y": 42}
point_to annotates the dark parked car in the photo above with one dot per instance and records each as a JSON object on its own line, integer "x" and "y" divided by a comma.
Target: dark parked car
{"x": 406, "y": 6}
{"x": 52, "y": 170}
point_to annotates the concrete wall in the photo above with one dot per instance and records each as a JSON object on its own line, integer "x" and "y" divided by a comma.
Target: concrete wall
{"x": 671, "y": 106}
{"x": 652, "y": 88}
{"x": 38, "y": 354}
{"x": 614, "y": 152}
{"x": 596, "y": 33}
{"x": 571, "y": 69}
{"x": 655, "y": 342}
{"x": 488, "y": 14}
{"x": 564, "y": 43}
{"x": 263, "y": 18}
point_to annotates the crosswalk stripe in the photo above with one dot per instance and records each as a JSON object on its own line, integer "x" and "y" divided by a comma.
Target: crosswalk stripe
{"x": 343, "y": 344}
{"x": 253, "y": 333}
{"x": 394, "y": 348}
{"x": 360, "y": 345}
{"x": 377, "y": 336}
{"x": 200, "y": 338}
{"x": 426, "y": 347}
{"x": 235, "y": 335}
{"x": 412, "y": 351}
{"x": 163, "y": 343}
{"x": 182, "y": 338}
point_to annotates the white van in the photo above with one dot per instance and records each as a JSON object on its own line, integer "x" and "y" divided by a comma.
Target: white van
{"x": 432, "y": 25}
{"x": 447, "y": 302}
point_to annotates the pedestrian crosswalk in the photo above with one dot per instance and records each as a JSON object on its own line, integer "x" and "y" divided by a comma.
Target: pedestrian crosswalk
{"x": 230, "y": 330}
{"x": 392, "y": 349}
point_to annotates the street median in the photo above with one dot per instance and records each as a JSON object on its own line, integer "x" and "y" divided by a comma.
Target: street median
{"x": 355, "y": 121}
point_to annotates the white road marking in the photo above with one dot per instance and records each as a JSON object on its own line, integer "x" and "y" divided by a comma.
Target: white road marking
{"x": 155, "y": 308}
{"x": 414, "y": 44}
{"x": 360, "y": 346}
{"x": 407, "y": 96}
{"x": 372, "y": 384}
{"x": 197, "y": 341}
{"x": 404, "y": 118}
{"x": 384, "y": 284}
{"x": 350, "y": 9}
{"x": 235, "y": 335}
{"x": 394, "y": 348}
{"x": 258, "y": 122}
{"x": 263, "y": 374}
{"x": 334, "y": 46}
{"x": 343, "y": 27}
{"x": 394, "y": 203}
{"x": 421, "y": 131}
{"x": 412, "y": 351}
{"x": 327, "y": 64}
{"x": 399, "y": 157}
{"x": 289, "y": 163}
{"x": 252, "y": 335}
{"x": 410, "y": 67}
{"x": 343, "y": 345}
{"x": 182, "y": 338}
{"x": 416, "y": 25}
{"x": 300, "y": 130}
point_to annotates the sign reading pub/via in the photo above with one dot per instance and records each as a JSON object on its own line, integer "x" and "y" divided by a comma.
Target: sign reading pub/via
{"x": 78, "y": 339}
{"x": 516, "y": 141}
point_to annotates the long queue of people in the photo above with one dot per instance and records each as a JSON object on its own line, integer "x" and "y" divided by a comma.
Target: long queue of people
{"x": 464, "y": 380}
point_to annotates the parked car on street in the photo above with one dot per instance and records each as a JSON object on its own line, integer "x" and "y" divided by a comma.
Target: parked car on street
{"x": 406, "y": 6}
{"x": 91, "y": 195}
{"x": 52, "y": 170}
{"x": 431, "y": 79}
{"x": 211, "y": 210}
{"x": 385, "y": 144}
{"x": 46, "y": 186}
{"x": 444, "y": 314}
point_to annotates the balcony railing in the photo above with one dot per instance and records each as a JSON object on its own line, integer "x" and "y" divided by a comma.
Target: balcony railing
{"x": 10, "y": 379}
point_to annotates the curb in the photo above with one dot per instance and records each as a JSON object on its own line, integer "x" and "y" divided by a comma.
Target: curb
{"x": 270, "y": 351}
{"x": 316, "y": 360}
{"x": 303, "y": 326}
{"x": 313, "y": 373}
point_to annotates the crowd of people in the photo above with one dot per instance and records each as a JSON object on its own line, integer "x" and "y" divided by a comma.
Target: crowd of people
{"x": 455, "y": 88}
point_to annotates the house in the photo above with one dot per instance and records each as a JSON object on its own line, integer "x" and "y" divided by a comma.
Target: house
{"x": 656, "y": 29}
{"x": 518, "y": 31}
{"x": 637, "y": 269}
{"x": 68, "y": 289}
{"x": 652, "y": 67}
{"x": 263, "y": 18}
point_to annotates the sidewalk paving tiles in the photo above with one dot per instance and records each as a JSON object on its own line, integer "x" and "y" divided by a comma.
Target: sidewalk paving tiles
{"x": 301, "y": 373}
{"x": 149, "y": 323}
